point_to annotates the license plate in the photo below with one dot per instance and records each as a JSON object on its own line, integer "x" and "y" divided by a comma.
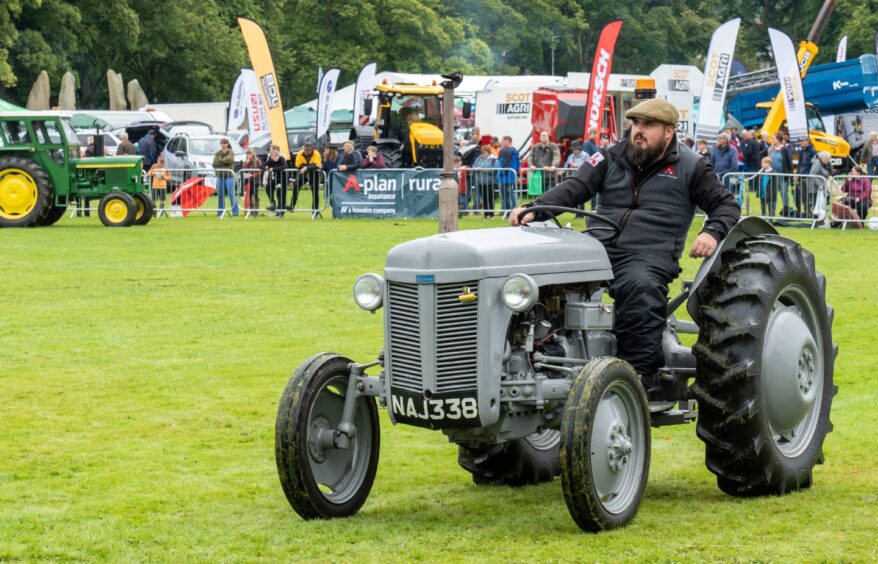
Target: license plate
{"x": 436, "y": 412}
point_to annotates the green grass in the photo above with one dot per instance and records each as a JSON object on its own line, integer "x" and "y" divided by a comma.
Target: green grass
{"x": 140, "y": 372}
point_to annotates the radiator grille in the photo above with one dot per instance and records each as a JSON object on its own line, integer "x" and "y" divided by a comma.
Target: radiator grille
{"x": 405, "y": 341}
{"x": 454, "y": 341}
{"x": 456, "y": 338}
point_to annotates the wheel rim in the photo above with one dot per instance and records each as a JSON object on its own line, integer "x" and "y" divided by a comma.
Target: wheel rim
{"x": 792, "y": 370}
{"x": 338, "y": 473}
{"x": 116, "y": 210}
{"x": 18, "y": 193}
{"x": 618, "y": 447}
{"x": 546, "y": 439}
{"x": 140, "y": 208}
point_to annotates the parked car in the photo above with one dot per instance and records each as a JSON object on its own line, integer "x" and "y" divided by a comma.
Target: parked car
{"x": 192, "y": 155}
{"x": 295, "y": 137}
{"x": 172, "y": 128}
{"x": 111, "y": 141}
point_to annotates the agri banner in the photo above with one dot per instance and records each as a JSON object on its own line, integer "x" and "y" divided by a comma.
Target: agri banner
{"x": 385, "y": 193}
{"x": 260, "y": 57}
{"x": 237, "y": 103}
{"x": 324, "y": 100}
{"x": 319, "y": 79}
{"x": 363, "y": 91}
{"x": 790, "y": 84}
{"x": 600, "y": 77}
{"x": 257, "y": 119}
{"x": 842, "y": 54}
{"x": 716, "y": 78}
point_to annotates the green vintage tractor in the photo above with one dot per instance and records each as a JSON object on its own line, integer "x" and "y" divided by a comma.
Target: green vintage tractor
{"x": 41, "y": 173}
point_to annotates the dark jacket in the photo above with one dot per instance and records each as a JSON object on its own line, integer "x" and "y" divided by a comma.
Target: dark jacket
{"x": 275, "y": 168}
{"x": 806, "y": 157}
{"x": 352, "y": 161}
{"x": 148, "y": 149}
{"x": 654, "y": 206}
{"x": 751, "y": 150}
{"x": 725, "y": 160}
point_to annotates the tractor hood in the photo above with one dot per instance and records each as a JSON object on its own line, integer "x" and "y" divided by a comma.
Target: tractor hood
{"x": 549, "y": 254}
{"x": 109, "y": 162}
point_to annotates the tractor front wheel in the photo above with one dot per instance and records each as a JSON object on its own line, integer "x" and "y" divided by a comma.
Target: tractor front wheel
{"x": 117, "y": 209}
{"x": 605, "y": 445}
{"x": 321, "y": 476}
{"x": 25, "y": 192}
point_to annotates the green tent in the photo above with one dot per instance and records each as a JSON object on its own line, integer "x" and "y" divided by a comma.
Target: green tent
{"x": 300, "y": 117}
{"x": 88, "y": 121}
{"x": 9, "y": 106}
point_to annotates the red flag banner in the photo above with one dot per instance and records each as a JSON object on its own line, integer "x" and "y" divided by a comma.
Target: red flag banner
{"x": 600, "y": 77}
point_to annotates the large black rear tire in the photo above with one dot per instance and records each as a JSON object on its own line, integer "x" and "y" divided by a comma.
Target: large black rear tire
{"x": 392, "y": 156}
{"x": 530, "y": 460}
{"x": 765, "y": 361}
{"x": 52, "y": 216}
{"x": 25, "y": 192}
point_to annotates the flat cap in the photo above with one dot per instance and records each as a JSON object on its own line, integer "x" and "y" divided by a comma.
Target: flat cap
{"x": 655, "y": 110}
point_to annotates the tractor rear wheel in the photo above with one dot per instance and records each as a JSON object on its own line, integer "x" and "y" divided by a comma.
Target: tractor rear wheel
{"x": 145, "y": 208}
{"x": 605, "y": 445}
{"x": 117, "y": 209}
{"x": 529, "y": 460}
{"x": 765, "y": 361}
{"x": 25, "y": 192}
{"x": 392, "y": 155}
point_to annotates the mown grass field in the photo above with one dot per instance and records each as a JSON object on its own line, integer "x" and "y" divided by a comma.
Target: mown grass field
{"x": 139, "y": 376}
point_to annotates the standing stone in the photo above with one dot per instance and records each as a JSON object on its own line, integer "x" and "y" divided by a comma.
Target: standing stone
{"x": 67, "y": 95}
{"x": 136, "y": 96}
{"x": 117, "y": 91}
{"x": 38, "y": 99}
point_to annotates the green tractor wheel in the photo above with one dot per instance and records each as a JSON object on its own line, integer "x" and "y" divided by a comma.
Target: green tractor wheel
{"x": 25, "y": 192}
{"x": 117, "y": 209}
{"x": 145, "y": 208}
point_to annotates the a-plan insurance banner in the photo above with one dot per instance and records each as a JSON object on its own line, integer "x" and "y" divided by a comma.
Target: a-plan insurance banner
{"x": 385, "y": 193}
{"x": 716, "y": 78}
{"x": 260, "y": 57}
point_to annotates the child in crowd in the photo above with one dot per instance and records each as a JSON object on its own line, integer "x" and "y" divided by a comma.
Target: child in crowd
{"x": 767, "y": 188}
{"x": 159, "y": 176}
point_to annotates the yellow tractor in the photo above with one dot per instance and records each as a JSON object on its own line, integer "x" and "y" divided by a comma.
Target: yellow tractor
{"x": 407, "y": 128}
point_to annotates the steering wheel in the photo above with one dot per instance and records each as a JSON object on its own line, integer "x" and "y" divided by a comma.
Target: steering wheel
{"x": 611, "y": 226}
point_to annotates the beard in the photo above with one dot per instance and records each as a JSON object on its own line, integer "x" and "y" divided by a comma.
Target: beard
{"x": 644, "y": 155}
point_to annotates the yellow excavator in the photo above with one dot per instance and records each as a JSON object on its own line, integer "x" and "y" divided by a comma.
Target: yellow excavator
{"x": 407, "y": 128}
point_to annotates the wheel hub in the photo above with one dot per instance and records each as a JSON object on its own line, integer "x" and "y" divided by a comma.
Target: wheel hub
{"x": 619, "y": 448}
{"x": 790, "y": 369}
{"x": 317, "y": 434}
{"x": 18, "y": 194}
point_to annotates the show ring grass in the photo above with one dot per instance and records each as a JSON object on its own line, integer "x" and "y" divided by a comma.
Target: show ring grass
{"x": 141, "y": 370}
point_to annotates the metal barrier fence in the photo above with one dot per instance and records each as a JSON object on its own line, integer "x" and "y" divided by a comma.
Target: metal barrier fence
{"x": 844, "y": 200}
{"x": 803, "y": 198}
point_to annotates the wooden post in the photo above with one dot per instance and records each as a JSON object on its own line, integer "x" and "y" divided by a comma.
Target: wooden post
{"x": 448, "y": 189}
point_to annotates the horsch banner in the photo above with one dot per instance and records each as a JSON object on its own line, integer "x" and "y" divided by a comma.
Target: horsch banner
{"x": 385, "y": 193}
{"x": 363, "y": 91}
{"x": 237, "y": 103}
{"x": 716, "y": 79}
{"x": 324, "y": 100}
{"x": 600, "y": 77}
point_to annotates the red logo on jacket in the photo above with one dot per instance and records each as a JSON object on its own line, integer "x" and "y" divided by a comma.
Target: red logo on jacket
{"x": 670, "y": 171}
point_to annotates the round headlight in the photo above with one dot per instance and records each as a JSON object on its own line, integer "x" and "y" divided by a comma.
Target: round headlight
{"x": 369, "y": 291}
{"x": 520, "y": 292}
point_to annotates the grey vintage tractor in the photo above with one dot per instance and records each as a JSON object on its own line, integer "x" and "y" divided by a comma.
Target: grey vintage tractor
{"x": 503, "y": 340}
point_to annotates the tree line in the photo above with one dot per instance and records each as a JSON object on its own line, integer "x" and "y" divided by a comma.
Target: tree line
{"x": 192, "y": 50}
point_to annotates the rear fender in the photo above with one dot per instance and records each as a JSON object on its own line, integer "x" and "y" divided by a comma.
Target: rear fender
{"x": 745, "y": 228}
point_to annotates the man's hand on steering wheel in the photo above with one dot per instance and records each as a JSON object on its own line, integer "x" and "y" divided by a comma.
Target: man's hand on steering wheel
{"x": 515, "y": 221}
